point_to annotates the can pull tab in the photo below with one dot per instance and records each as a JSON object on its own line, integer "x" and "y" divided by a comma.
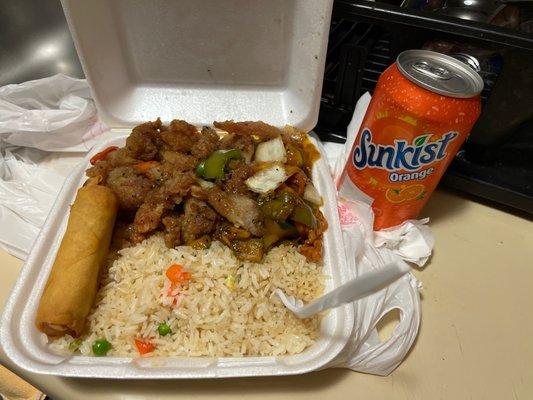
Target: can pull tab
{"x": 432, "y": 71}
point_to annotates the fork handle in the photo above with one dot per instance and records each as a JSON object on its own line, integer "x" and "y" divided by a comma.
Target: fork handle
{"x": 362, "y": 286}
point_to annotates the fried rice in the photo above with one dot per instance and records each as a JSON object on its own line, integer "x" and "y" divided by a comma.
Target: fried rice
{"x": 227, "y": 308}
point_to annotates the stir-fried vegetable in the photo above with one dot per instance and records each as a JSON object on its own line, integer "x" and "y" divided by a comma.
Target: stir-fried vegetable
{"x": 280, "y": 207}
{"x": 214, "y": 166}
{"x": 303, "y": 214}
{"x": 144, "y": 347}
{"x": 272, "y": 150}
{"x": 103, "y": 154}
{"x": 203, "y": 242}
{"x": 177, "y": 275}
{"x": 294, "y": 134}
{"x": 248, "y": 250}
{"x": 267, "y": 179}
{"x": 230, "y": 282}
{"x": 101, "y": 347}
{"x": 163, "y": 329}
{"x": 227, "y": 233}
{"x": 312, "y": 195}
{"x": 294, "y": 155}
{"x": 277, "y": 231}
{"x": 75, "y": 344}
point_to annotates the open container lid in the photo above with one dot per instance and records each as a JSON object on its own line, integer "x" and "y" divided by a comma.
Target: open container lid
{"x": 204, "y": 60}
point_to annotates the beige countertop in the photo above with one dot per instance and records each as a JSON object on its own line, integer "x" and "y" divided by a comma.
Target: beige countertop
{"x": 475, "y": 341}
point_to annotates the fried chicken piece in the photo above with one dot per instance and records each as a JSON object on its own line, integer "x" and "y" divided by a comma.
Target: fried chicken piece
{"x": 180, "y": 136}
{"x": 207, "y": 143}
{"x": 179, "y": 161}
{"x": 130, "y": 186}
{"x": 178, "y": 183}
{"x": 117, "y": 158}
{"x": 148, "y": 216}
{"x": 199, "y": 219}
{"x": 240, "y": 210}
{"x": 172, "y": 224}
{"x": 240, "y": 141}
{"x": 234, "y": 183}
{"x": 258, "y": 129}
{"x": 141, "y": 143}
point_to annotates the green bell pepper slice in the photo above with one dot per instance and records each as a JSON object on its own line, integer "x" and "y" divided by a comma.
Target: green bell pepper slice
{"x": 303, "y": 214}
{"x": 214, "y": 166}
{"x": 280, "y": 207}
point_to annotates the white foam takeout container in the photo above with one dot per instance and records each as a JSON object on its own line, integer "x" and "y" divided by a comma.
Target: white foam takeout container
{"x": 199, "y": 61}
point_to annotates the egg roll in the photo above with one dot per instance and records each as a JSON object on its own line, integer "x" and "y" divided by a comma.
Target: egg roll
{"x": 71, "y": 288}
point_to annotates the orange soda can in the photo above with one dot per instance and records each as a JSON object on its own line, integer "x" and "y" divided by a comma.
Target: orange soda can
{"x": 422, "y": 110}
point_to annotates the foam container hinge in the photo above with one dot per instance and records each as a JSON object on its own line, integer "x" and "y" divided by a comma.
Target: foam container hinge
{"x": 200, "y": 61}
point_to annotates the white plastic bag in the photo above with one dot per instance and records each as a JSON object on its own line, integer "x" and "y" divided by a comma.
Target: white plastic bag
{"x": 53, "y": 114}
{"x": 367, "y": 250}
{"x": 365, "y": 352}
{"x": 38, "y": 119}
{"x": 27, "y": 193}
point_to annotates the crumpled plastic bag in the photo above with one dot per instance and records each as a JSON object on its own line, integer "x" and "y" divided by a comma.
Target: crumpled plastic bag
{"x": 53, "y": 114}
{"x": 366, "y": 250}
{"x": 412, "y": 240}
{"x": 38, "y": 120}
{"x": 27, "y": 193}
{"x": 364, "y": 351}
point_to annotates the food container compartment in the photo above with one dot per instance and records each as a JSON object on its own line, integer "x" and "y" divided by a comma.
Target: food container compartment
{"x": 26, "y": 346}
{"x": 138, "y": 73}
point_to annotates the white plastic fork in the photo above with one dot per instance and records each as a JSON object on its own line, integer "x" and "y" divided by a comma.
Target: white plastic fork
{"x": 357, "y": 288}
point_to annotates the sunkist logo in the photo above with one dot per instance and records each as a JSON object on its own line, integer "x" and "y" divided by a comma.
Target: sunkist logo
{"x": 402, "y": 155}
